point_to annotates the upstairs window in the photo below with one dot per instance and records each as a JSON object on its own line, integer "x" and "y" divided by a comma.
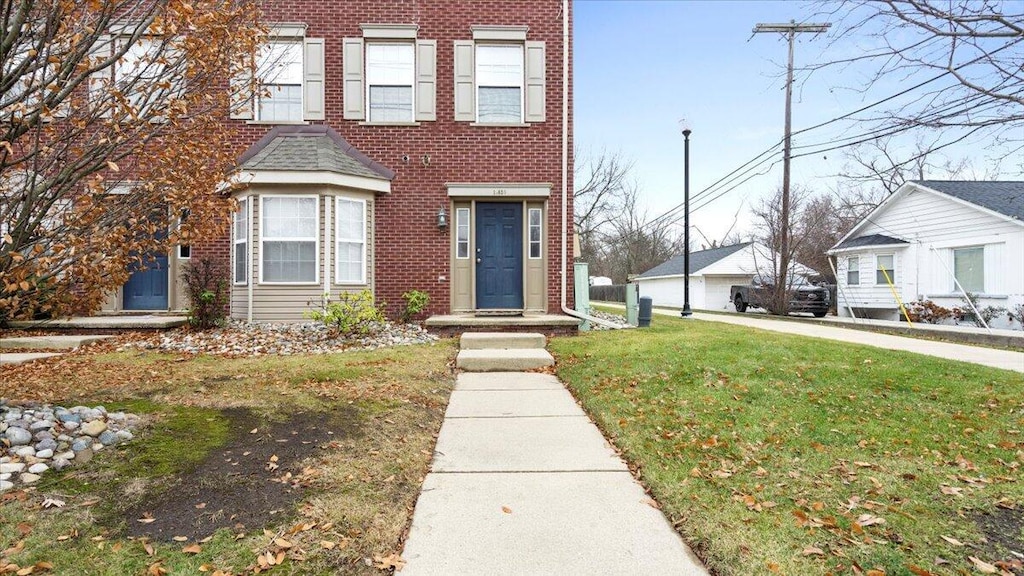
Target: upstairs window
{"x": 280, "y": 82}
{"x": 390, "y": 77}
{"x": 969, "y": 269}
{"x": 853, "y": 271}
{"x": 885, "y": 267}
{"x": 499, "y": 84}
{"x": 500, "y": 77}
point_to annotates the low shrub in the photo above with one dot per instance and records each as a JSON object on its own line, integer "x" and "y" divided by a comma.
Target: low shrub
{"x": 206, "y": 282}
{"x": 928, "y": 312}
{"x": 415, "y": 302}
{"x": 982, "y": 318}
{"x": 350, "y": 313}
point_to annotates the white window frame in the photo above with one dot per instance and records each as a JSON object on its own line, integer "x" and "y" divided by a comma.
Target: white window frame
{"x": 529, "y": 237}
{"x": 412, "y": 80}
{"x": 314, "y": 239}
{"x": 459, "y": 213}
{"x": 878, "y": 268}
{"x": 477, "y": 85}
{"x": 956, "y": 287}
{"x": 853, "y": 266}
{"x": 184, "y": 246}
{"x": 244, "y": 211}
{"x": 338, "y": 240}
{"x": 258, "y": 94}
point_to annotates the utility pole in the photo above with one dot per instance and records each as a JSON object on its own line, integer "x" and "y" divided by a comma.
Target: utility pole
{"x": 781, "y": 281}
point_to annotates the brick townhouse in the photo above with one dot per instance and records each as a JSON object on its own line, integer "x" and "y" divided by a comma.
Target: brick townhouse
{"x": 399, "y": 145}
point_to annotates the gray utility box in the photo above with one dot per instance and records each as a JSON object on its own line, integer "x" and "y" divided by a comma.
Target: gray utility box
{"x": 646, "y": 309}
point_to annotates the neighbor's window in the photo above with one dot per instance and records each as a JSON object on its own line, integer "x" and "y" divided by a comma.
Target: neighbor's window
{"x": 389, "y": 82}
{"x": 499, "y": 81}
{"x": 241, "y": 234}
{"x": 969, "y": 268}
{"x": 280, "y": 70}
{"x": 535, "y": 232}
{"x": 350, "y": 234}
{"x": 184, "y": 251}
{"x": 885, "y": 267}
{"x": 462, "y": 233}
{"x": 853, "y": 271}
{"x": 288, "y": 239}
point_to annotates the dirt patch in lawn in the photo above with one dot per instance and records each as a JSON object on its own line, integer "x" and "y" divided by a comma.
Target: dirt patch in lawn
{"x": 1003, "y": 528}
{"x": 251, "y": 482}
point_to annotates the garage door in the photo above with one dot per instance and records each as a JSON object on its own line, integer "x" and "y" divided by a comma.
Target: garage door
{"x": 717, "y": 290}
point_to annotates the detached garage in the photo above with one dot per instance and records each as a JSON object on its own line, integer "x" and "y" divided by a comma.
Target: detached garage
{"x": 712, "y": 273}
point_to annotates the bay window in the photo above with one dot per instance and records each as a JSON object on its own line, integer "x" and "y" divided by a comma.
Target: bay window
{"x": 350, "y": 241}
{"x": 288, "y": 239}
{"x": 240, "y": 229}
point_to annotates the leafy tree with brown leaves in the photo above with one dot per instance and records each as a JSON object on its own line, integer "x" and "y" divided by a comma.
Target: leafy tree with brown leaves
{"x": 111, "y": 131}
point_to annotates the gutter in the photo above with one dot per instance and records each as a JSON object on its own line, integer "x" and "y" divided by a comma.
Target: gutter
{"x": 565, "y": 175}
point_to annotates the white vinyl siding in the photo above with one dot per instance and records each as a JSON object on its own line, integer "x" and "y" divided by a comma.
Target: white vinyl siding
{"x": 350, "y": 238}
{"x": 885, "y": 265}
{"x": 969, "y": 269}
{"x": 499, "y": 83}
{"x": 535, "y": 233}
{"x": 462, "y": 233}
{"x": 853, "y": 271}
{"x": 390, "y": 79}
{"x": 288, "y": 239}
{"x": 240, "y": 246}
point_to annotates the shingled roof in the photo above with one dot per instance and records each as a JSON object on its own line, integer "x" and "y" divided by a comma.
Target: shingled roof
{"x": 1006, "y": 198}
{"x": 313, "y": 148}
{"x": 870, "y": 240}
{"x": 698, "y": 261}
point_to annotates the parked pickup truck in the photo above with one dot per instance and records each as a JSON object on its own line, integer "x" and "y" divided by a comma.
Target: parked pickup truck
{"x": 803, "y": 297}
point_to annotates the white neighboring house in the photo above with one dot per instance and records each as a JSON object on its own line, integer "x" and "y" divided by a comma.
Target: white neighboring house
{"x": 712, "y": 273}
{"x": 935, "y": 239}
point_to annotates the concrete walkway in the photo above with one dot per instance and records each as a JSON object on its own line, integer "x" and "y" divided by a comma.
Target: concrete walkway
{"x": 522, "y": 483}
{"x": 1005, "y": 359}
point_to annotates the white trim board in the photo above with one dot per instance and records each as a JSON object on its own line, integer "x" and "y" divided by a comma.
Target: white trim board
{"x": 315, "y": 177}
{"x": 498, "y": 190}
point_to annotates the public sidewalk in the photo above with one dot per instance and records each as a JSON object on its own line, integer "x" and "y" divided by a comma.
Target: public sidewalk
{"x": 523, "y": 483}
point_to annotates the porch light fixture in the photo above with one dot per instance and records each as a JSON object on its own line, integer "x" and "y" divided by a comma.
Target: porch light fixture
{"x": 684, "y": 127}
{"x": 442, "y": 218}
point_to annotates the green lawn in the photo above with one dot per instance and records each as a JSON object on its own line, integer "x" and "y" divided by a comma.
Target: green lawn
{"x": 352, "y": 492}
{"x": 778, "y": 454}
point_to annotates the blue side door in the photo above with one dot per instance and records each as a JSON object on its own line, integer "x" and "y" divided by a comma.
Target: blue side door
{"x": 147, "y": 289}
{"x": 499, "y": 256}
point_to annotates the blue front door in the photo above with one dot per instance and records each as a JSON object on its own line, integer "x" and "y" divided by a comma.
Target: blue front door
{"x": 499, "y": 256}
{"x": 147, "y": 289}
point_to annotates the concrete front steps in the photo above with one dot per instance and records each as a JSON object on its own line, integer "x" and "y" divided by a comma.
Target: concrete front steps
{"x": 502, "y": 352}
{"x": 57, "y": 343}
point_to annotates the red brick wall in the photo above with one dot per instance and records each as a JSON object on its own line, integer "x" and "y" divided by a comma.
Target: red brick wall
{"x": 411, "y": 253}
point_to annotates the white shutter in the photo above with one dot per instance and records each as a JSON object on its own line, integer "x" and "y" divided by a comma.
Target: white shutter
{"x": 352, "y": 75}
{"x": 100, "y": 81}
{"x": 313, "y": 79}
{"x": 535, "y": 82}
{"x": 241, "y": 90}
{"x": 465, "y": 90}
{"x": 426, "y": 80}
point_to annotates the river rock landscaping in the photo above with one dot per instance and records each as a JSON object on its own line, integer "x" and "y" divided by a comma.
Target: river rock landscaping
{"x": 240, "y": 339}
{"x": 37, "y": 438}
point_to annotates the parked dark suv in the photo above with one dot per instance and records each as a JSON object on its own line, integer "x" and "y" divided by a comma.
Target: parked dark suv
{"x": 803, "y": 296}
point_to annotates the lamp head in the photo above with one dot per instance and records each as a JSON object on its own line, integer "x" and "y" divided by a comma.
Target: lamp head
{"x": 684, "y": 126}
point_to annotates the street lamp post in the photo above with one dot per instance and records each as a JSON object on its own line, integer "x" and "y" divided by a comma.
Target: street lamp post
{"x": 684, "y": 126}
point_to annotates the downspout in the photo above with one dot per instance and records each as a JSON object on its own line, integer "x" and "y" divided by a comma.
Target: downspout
{"x": 565, "y": 175}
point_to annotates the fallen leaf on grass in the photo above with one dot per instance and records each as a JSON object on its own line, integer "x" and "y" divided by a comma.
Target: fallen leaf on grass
{"x": 813, "y": 551}
{"x": 865, "y": 520}
{"x": 53, "y": 503}
{"x": 506, "y": 509}
{"x": 391, "y": 561}
{"x": 951, "y": 490}
{"x": 146, "y": 518}
{"x": 952, "y": 540}
{"x": 180, "y": 538}
{"x": 327, "y": 544}
{"x": 282, "y": 543}
{"x": 982, "y": 566}
{"x": 918, "y": 571}
{"x": 156, "y": 569}
{"x": 192, "y": 549}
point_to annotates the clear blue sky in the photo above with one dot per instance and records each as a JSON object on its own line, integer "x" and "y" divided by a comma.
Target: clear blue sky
{"x": 640, "y": 66}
